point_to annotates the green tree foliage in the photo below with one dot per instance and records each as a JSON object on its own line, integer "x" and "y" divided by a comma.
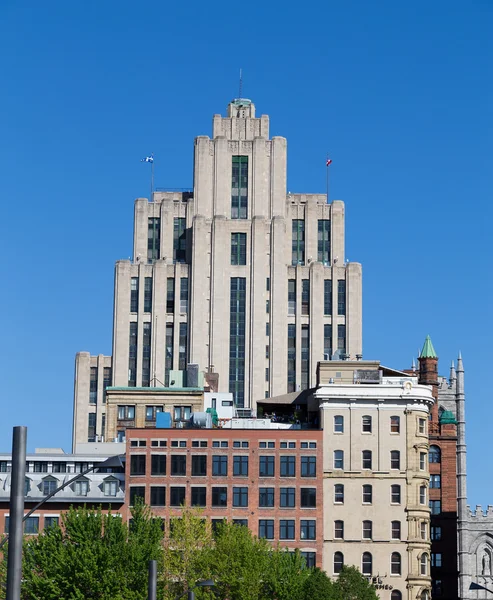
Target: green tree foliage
{"x": 353, "y": 586}
{"x": 320, "y": 587}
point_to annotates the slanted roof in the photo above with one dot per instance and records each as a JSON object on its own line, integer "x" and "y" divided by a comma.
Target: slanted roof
{"x": 428, "y": 351}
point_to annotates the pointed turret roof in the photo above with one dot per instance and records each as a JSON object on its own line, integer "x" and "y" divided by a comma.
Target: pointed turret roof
{"x": 428, "y": 351}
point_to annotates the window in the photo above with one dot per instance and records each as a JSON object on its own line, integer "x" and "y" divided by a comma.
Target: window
{"x": 238, "y": 248}
{"x": 422, "y": 494}
{"x": 158, "y": 496}
{"x": 147, "y": 295}
{"x": 134, "y": 294}
{"x": 367, "y": 563}
{"x": 341, "y": 339}
{"x": 266, "y": 466}
{"x": 168, "y": 361}
{"x": 338, "y": 459}
{"x": 199, "y": 466}
{"x": 179, "y": 240}
{"x": 298, "y": 245}
{"x": 396, "y": 530}
{"x": 132, "y": 355}
{"x": 435, "y": 481}
{"x": 396, "y": 595}
{"x": 434, "y": 455}
{"x": 178, "y": 443}
{"x": 422, "y": 425}
{"x": 328, "y": 297}
{"x": 308, "y": 497}
{"x": 323, "y": 254}
{"x": 423, "y": 564}
{"x": 153, "y": 239}
{"x": 435, "y": 507}
{"x": 51, "y": 521}
{"x": 182, "y": 346}
{"x": 237, "y": 316}
{"x": 286, "y": 529}
{"x": 436, "y": 533}
{"x": 267, "y": 329}
{"x": 59, "y": 467}
{"x": 220, "y": 466}
{"x": 242, "y": 522}
{"x": 422, "y": 461}
{"x": 266, "y": 529}
{"x": 93, "y": 386}
{"x": 305, "y": 296}
{"x": 240, "y": 466}
{"x": 366, "y": 424}
{"x": 305, "y": 356}
{"x": 176, "y": 496}
{"x": 436, "y": 587}
{"x": 182, "y": 413}
{"x": 422, "y": 529}
{"x": 395, "y": 459}
{"x": 338, "y": 562}
{"x": 290, "y": 445}
{"x": 291, "y": 296}
{"x": 146, "y": 354}
{"x": 327, "y": 342}
{"x": 239, "y": 187}
{"x": 287, "y": 497}
{"x": 31, "y": 525}
{"x": 339, "y": 530}
{"x": 395, "y": 563}
{"x": 339, "y": 493}
{"x": 178, "y": 464}
{"x": 288, "y": 466}
{"x": 395, "y": 424}
{"x": 183, "y": 294}
{"x": 366, "y": 459}
{"x": 266, "y": 497}
{"x": 291, "y": 358}
{"x": 137, "y": 492}
{"x": 219, "y": 496}
{"x": 49, "y": 486}
{"x": 338, "y": 424}
{"x": 308, "y": 466}
{"x": 170, "y": 295}
{"x": 138, "y": 464}
{"x": 198, "y": 496}
{"x": 367, "y": 530}
{"x": 91, "y": 430}
{"x": 341, "y": 297}
{"x": 110, "y": 487}
{"x": 308, "y": 529}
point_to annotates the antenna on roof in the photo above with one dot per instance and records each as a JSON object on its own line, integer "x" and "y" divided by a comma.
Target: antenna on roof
{"x": 241, "y": 83}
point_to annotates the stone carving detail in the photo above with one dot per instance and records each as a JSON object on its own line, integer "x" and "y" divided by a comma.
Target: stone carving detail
{"x": 486, "y": 563}
{"x": 246, "y": 146}
{"x": 233, "y": 147}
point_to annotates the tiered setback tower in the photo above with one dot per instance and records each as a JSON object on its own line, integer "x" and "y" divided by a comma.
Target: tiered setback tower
{"x": 238, "y": 276}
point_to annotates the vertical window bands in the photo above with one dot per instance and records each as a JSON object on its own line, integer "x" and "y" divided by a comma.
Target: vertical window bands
{"x": 327, "y": 296}
{"x": 237, "y": 316}
{"x": 305, "y": 356}
{"x": 179, "y": 240}
{"x": 132, "y": 355}
{"x": 324, "y": 241}
{"x": 184, "y": 294}
{"x": 327, "y": 342}
{"x": 170, "y": 295}
{"x": 134, "y": 294}
{"x": 305, "y": 296}
{"x": 298, "y": 244}
{"x": 93, "y": 386}
{"x": 182, "y": 342}
{"x": 91, "y": 427}
{"x": 168, "y": 361}
{"x": 341, "y": 339}
{"x": 341, "y": 297}
{"x": 291, "y": 296}
{"x": 239, "y": 187}
{"x": 291, "y": 358}
{"x": 146, "y": 354}
{"x": 238, "y": 248}
{"x": 148, "y": 294}
{"x": 153, "y": 239}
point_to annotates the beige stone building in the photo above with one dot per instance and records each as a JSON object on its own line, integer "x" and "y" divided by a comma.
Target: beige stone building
{"x": 376, "y": 476}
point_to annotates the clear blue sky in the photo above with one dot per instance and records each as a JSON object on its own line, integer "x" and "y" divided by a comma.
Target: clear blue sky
{"x": 399, "y": 93}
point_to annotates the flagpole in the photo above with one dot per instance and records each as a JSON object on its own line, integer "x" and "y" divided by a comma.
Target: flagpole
{"x": 152, "y": 176}
{"x": 327, "y": 168}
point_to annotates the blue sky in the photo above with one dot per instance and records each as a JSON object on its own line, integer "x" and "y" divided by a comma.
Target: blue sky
{"x": 398, "y": 93}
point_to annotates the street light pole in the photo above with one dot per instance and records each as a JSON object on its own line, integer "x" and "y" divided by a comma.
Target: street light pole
{"x": 14, "y": 563}
{"x": 152, "y": 581}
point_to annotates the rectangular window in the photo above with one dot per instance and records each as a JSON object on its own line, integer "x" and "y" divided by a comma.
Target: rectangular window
{"x": 158, "y": 496}
{"x": 136, "y": 491}
{"x": 422, "y": 425}
{"x": 239, "y": 188}
{"x": 183, "y": 346}
{"x": 286, "y": 529}
{"x": 199, "y": 496}
{"x": 436, "y": 533}
{"x": 308, "y": 466}
{"x": 422, "y": 494}
{"x": 288, "y": 466}
{"x": 176, "y": 496}
{"x": 435, "y": 507}
{"x": 308, "y": 497}
{"x": 178, "y": 464}
{"x": 148, "y": 294}
{"x": 367, "y": 530}
{"x": 339, "y": 530}
{"x": 179, "y": 240}
{"x": 327, "y": 342}
{"x": 395, "y": 494}
{"x": 436, "y": 559}
{"x": 132, "y": 355}
{"x": 367, "y": 494}
{"x": 237, "y": 317}
{"x": 366, "y": 459}
{"x": 199, "y": 466}
{"x": 51, "y": 521}
{"x": 395, "y": 424}
{"x": 168, "y": 364}
{"x": 305, "y": 356}
{"x": 266, "y": 497}
{"x": 291, "y": 296}
{"x": 138, "y": 464}
{"x": 31, "y": 525}
{"x": 81, "y": 487}
{"x": 106, "y": 382}
{"x": 242, "y": 522}
{"x": 436, "y": 588}
{"x": 341, "y": 339}
{"x": 341, "y": 297}
{"x": 308, "y": 529}
{"x": 240, "y": 466}
{"x": 291, "y": 358}
{"x": 395, "y": 459}
{"x": 170, "y": 295}
{"x": 153, "y": 239}
{"x": 91, "y": 427}
{"x": 338, "y": 424}
{"x": 324, "y": 241}
{"x": 423, "y": 530}
{"x": 396, "y": 530}
{"x": 126, "y": 412}
{"x": 59, "y": 467}
{"x": 310, "y": 559}
{"x": 435, "y": 481}
{"x": 151, "y": 412}
{"x": 158, "y": 464}
{"x": 328, "y": 297}
{"x": 42, "y": 466}
{"x": 298, "y": 244}
{"x": 339, "y": 493}
{"x": 134, "y": 294}
{"x": 93, "y": 386}
{"x": 366, "y": 424}
{"x": 184, "y": 294}
{"x": 287, "y": 497}
{"x": 266, "y": 529}
{"x": 422, "y": 461}
{"x": 238, "y": 248}
{"x": 266, "y": 466}
{"x": 305, "y": 296}
{"x": 240, "y": 496}
{"x": 338, "y": 459}
{"x": 219, "y": 496}
{"x": 49, "y": 486}
{"x": 146, "y": 354}
{"x": 220, "y": 466}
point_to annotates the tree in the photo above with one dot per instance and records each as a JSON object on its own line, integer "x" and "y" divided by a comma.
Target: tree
{"x": 320, "y": 587}
{"x": 287, "y": 575}
{"x": 353, "y": 586}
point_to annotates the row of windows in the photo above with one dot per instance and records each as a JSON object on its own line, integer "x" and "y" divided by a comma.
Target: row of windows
{"x": 305, "y": 297}
{"x": 367, "y": 564}
{"x": 134, "y": 294}
{"x": 395, "y": 530}
{"x": 367, "y": 494}
{"x": 142, "y": 443}
{"x": 154, "y": 240}
{"x": 298, "y": 242}
{"x": 366, "y": 424}
{"x": 93, "y": 383}
{"x": 43, "y": 466}
{"x": 31, "y": 524}
{"x": 219, "y": 496}
{"x": 395, "y": 459}
{"x": 79, "y": 488}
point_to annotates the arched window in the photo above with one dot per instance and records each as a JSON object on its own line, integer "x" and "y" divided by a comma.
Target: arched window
{"x": 367, "y": 563}
{"x": 435, "y": 456}
{"x": 425, "y": 595}
{"x": 423, "y": 564}
{"x": 338, "y": 561}
{"x": 395, "y": 563}
{"x": 396, "y": 595}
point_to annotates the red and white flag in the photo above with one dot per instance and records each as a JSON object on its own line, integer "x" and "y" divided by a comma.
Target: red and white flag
{"x": 328, "y": 162}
